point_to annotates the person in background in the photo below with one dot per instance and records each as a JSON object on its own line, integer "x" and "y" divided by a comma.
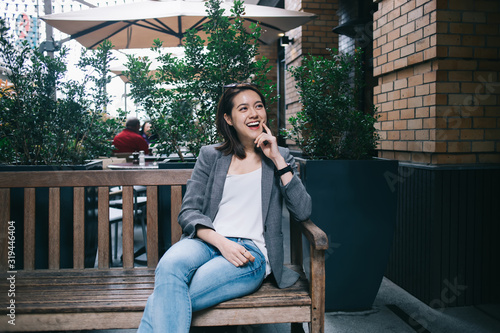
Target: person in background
{"x": 147, "y": 133}
{"x": 230, "y": 217}
{"x": 130, "y": 140}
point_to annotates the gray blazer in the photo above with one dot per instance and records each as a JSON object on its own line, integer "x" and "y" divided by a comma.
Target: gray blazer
{"x": 204, "y": 193}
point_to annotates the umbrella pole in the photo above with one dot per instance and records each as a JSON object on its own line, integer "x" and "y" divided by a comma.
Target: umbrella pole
{"x": 125, "y": 97}
{"x": 49, "y": 32}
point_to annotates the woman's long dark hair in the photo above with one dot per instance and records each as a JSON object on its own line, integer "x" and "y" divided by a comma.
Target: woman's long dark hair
{"x": 232, "y": 144}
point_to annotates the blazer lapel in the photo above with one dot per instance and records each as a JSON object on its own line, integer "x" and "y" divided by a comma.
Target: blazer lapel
{"x": 218, "y": 186}
{"x": 267, "y": 184}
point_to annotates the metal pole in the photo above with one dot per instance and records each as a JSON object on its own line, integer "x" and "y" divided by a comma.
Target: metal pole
{"x": 125, "y": 96}
{"x": 49, "y": 32}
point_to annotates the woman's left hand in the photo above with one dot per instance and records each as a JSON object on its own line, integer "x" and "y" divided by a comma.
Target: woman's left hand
{"x": 268, "y": 143}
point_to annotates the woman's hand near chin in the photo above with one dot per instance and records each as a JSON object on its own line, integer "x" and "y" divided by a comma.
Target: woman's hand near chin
{"x": 268, "y": 143}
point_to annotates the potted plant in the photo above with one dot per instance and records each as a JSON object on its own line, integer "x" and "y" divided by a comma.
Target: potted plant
{"x": 47, "y": 123}
{"x": 352, "y": 201}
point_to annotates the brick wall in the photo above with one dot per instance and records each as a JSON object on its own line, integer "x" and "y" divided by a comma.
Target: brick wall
{"x": 312, "y": 38}
{"x": 438, "y": 93}
{"x": 271, "y": 53}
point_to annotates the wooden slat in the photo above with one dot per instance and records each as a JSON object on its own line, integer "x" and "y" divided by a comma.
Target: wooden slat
{"x": 96, "y": 178}
{"x": 29, "y": 228}
{"x": 130, "y": 320}
{"x": 73, "y": 321}
{"x": 250, "y": 316}
{"x": 4, "y": 228}
{"x": 89, "y": 307}
{"x": 176, "y": 201}
{"x": 103, "y": 227}
{"x": 54, "y": 227}
{"x": 79, "y": 227}
{"x": 152, "y": 226}
{"x": 39, "y": 293}
{"x": 128, "y": 226}
{"x": 78, "y": 285}
{"x": 87, "y": 273}
{"x": 136, "y": 292}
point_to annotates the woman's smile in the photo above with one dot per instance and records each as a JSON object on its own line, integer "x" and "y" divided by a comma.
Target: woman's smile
{"x": 254, "y": 125}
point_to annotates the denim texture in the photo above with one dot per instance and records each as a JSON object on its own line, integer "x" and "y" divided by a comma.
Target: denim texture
{"x": 192, "y": 276}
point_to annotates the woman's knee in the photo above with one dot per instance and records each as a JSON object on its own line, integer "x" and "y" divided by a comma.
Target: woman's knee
{"x": 167, "y": 265}
{"x": 182, "y": 258}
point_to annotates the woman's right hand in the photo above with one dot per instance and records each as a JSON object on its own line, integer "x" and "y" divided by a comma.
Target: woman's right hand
{"x": 235, "y": 253}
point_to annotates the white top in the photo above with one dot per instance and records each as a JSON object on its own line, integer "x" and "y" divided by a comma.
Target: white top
{"x": 240, "y": 210}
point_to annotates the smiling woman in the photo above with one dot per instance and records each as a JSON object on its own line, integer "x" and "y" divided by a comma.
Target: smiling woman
{"x": 230, "y": 218}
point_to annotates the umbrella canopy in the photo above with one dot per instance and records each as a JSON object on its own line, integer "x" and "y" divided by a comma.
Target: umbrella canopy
{"x": 136, "y": 25}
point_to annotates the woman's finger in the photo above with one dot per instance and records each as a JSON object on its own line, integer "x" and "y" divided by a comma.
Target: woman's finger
{"x": 248, "y": 256}
{"x": 237, "y": 262}
{"x": 268, "y": 130}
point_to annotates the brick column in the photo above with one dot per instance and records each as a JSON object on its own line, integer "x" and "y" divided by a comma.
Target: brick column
{"x": 437, "y": 64}
{"x": 271, "y": 53}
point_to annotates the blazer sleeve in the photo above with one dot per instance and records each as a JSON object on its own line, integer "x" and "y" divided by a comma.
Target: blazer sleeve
{"x": 193, "y": 209}
{"x": 297, "y": 200}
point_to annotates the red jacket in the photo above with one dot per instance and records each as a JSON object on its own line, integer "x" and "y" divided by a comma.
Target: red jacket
{"x": 128, "y": 141}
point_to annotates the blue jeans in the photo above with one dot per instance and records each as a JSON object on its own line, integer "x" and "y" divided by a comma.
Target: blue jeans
{"x": 193, "y": 275}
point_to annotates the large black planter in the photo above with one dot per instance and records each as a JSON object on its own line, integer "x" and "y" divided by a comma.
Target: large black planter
{"x": 66, "y": 215}
{"x": 355, "y": 203}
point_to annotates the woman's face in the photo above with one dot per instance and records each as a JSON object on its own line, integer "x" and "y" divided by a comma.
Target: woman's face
{"x": 247, "y": 116}
{"x": 147, "y": 128}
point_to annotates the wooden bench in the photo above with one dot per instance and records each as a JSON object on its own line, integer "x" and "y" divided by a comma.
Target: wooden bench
{"x": 107, "y": 297}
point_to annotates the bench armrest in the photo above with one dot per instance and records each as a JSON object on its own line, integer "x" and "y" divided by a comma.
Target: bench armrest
{"x": 318, "y": 244}
{"x": 316, "y": 237}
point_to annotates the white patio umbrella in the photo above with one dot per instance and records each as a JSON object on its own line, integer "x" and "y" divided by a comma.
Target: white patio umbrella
{"x": 136, "y": 25}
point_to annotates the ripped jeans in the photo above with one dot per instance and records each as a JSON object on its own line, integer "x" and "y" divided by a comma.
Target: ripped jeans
{"x": 193, "y": 275}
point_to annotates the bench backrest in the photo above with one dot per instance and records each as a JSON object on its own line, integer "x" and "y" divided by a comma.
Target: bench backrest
{"x": 79, "y": 180}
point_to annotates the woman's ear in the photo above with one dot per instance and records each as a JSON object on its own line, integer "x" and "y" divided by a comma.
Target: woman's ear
{"x": 228, "y": 119}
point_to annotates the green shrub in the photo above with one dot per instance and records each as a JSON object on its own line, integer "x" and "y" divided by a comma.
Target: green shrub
{"x": 46, "y": 120}
{"x": 330, "y": 124}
